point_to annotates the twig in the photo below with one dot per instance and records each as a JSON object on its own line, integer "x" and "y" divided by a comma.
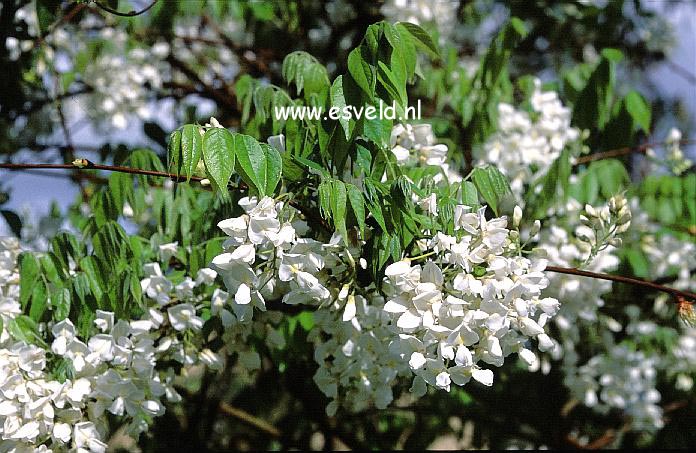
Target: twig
{"x": 84, "y": 164}
{"x": 128, "y": 14}
{"x": 222, "y": 97}
{"x": 626, "y": 150}
{"x": 246, "y": 417}
{"x": 87, "y": 165}
{"x": 682, "y": 71}
{"x": 618, "y": 278}
{"x": 40, "y": 103}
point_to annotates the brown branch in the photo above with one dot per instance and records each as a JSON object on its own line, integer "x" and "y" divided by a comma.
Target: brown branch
{"x": 222, "y": 97}
{"x": 128, "y": 14}
{"x": 37, "y": 105}
{"x": 84, "y": 164}
{"x": 249, "y": 419}
{"x": 621, "y": 279}
{"x": 626, "y": 150}
{"x": 91, "y": 166}
{"x": 258, "y": 64}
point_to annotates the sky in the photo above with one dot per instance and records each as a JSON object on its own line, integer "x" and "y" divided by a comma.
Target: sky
{"x": 35, "y": 194}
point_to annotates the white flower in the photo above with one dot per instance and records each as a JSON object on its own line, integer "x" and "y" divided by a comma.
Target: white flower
{"x": 166, "y": 251}
{"x": 183, "y": 316}
{"x": 86, "y": 436}
{"x": 485, "y": 377}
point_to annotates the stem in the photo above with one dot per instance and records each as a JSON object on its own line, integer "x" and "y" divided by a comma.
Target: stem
{"x": 618, "y": 278}
{"x": 424, "y": 255}
{"x": 92, "y": 166}
{"x": 87, "y": 165}
{"x": 626, "y": 150}
{"x": 246, "y": 417}
{"x": 128, "y": 14}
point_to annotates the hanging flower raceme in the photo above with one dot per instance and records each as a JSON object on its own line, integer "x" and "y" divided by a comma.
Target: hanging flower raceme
{"x": 474, "y": 300}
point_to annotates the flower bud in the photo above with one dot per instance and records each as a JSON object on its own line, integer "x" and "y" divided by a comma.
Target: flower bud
{"x": 516, "y": 217}
{"x": 591, "y": 212}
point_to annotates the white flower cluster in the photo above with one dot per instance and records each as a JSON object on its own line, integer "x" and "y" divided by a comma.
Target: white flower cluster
{"x": 443, "y": 14}
{"x": 476, "y": 301}
{"x": 581, "y": 298}
{"x": 622, "y": 379}
{"x": 674, "y": 157}
{"x": 616, "y": 377}
{"x": 601, "y": 227}
{"x": 415, "y": 145}
{"x": 524, "y": 147}
{"x": 264, "y": 258}
{"x": 9, "y": 285}
{"x": 14, "y": 46}
{"x": 118, "y": 94}
{"x": 356, "y": 366}
{"x": 116, "y": 371}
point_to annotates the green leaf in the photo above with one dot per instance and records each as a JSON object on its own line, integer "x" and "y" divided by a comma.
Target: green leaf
{"x": 274, "y": 168}
{"x": 422, "y": 38}
{"x": 317, "y": 168}
{"x": 29, "y": 273}
{"x": 60, "y": 303}
{"x": 46, "y": 11}
{"x": 307, "y": 73}
{"x": 23, "y": 328}
{"x": 357, "y": 203}
{"x": 377, "y": 131}
{"x": 364, "y": 73}
{"x": 338, "y": 207}
{"x": 250, "y": 161}
{"x": 639, "y": 263}
{"x": 613, "y": 55}
{"x": 219, "y": 156}
{"x": 13, "y": 221}
{"x": 492, "y": 185}
{"x": 338, "y": 100}
{"x": 639, "y": 109}
{"x": 174, "y": 152}
{"x": 259, "y": 165}
{"x": 593, "y": 106}
{"x": 306, "y": 320}
{"x": 39, "y": 301}
{"x": 190, "y": 149}
{"x": 469, "y": 195}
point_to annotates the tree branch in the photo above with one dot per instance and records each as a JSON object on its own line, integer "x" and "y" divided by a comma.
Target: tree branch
{"x": 84, "y": 164}
{"x": 626, "y": 150}
{"x": 249, "y": 419}
{"x": 621, "y": 279}
{"x": 87, "y": 165}
{"x": 128, "y": 14}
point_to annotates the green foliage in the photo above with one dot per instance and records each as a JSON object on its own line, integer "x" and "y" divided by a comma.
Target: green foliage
{"x": 47, "y": 13}
{"x": 309, "y": 76}
{"x": 493, "y": 187}
{"x": 593, "y": 106}
{"x": 671, "y": 200}
{"x": 602, "y": 178}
